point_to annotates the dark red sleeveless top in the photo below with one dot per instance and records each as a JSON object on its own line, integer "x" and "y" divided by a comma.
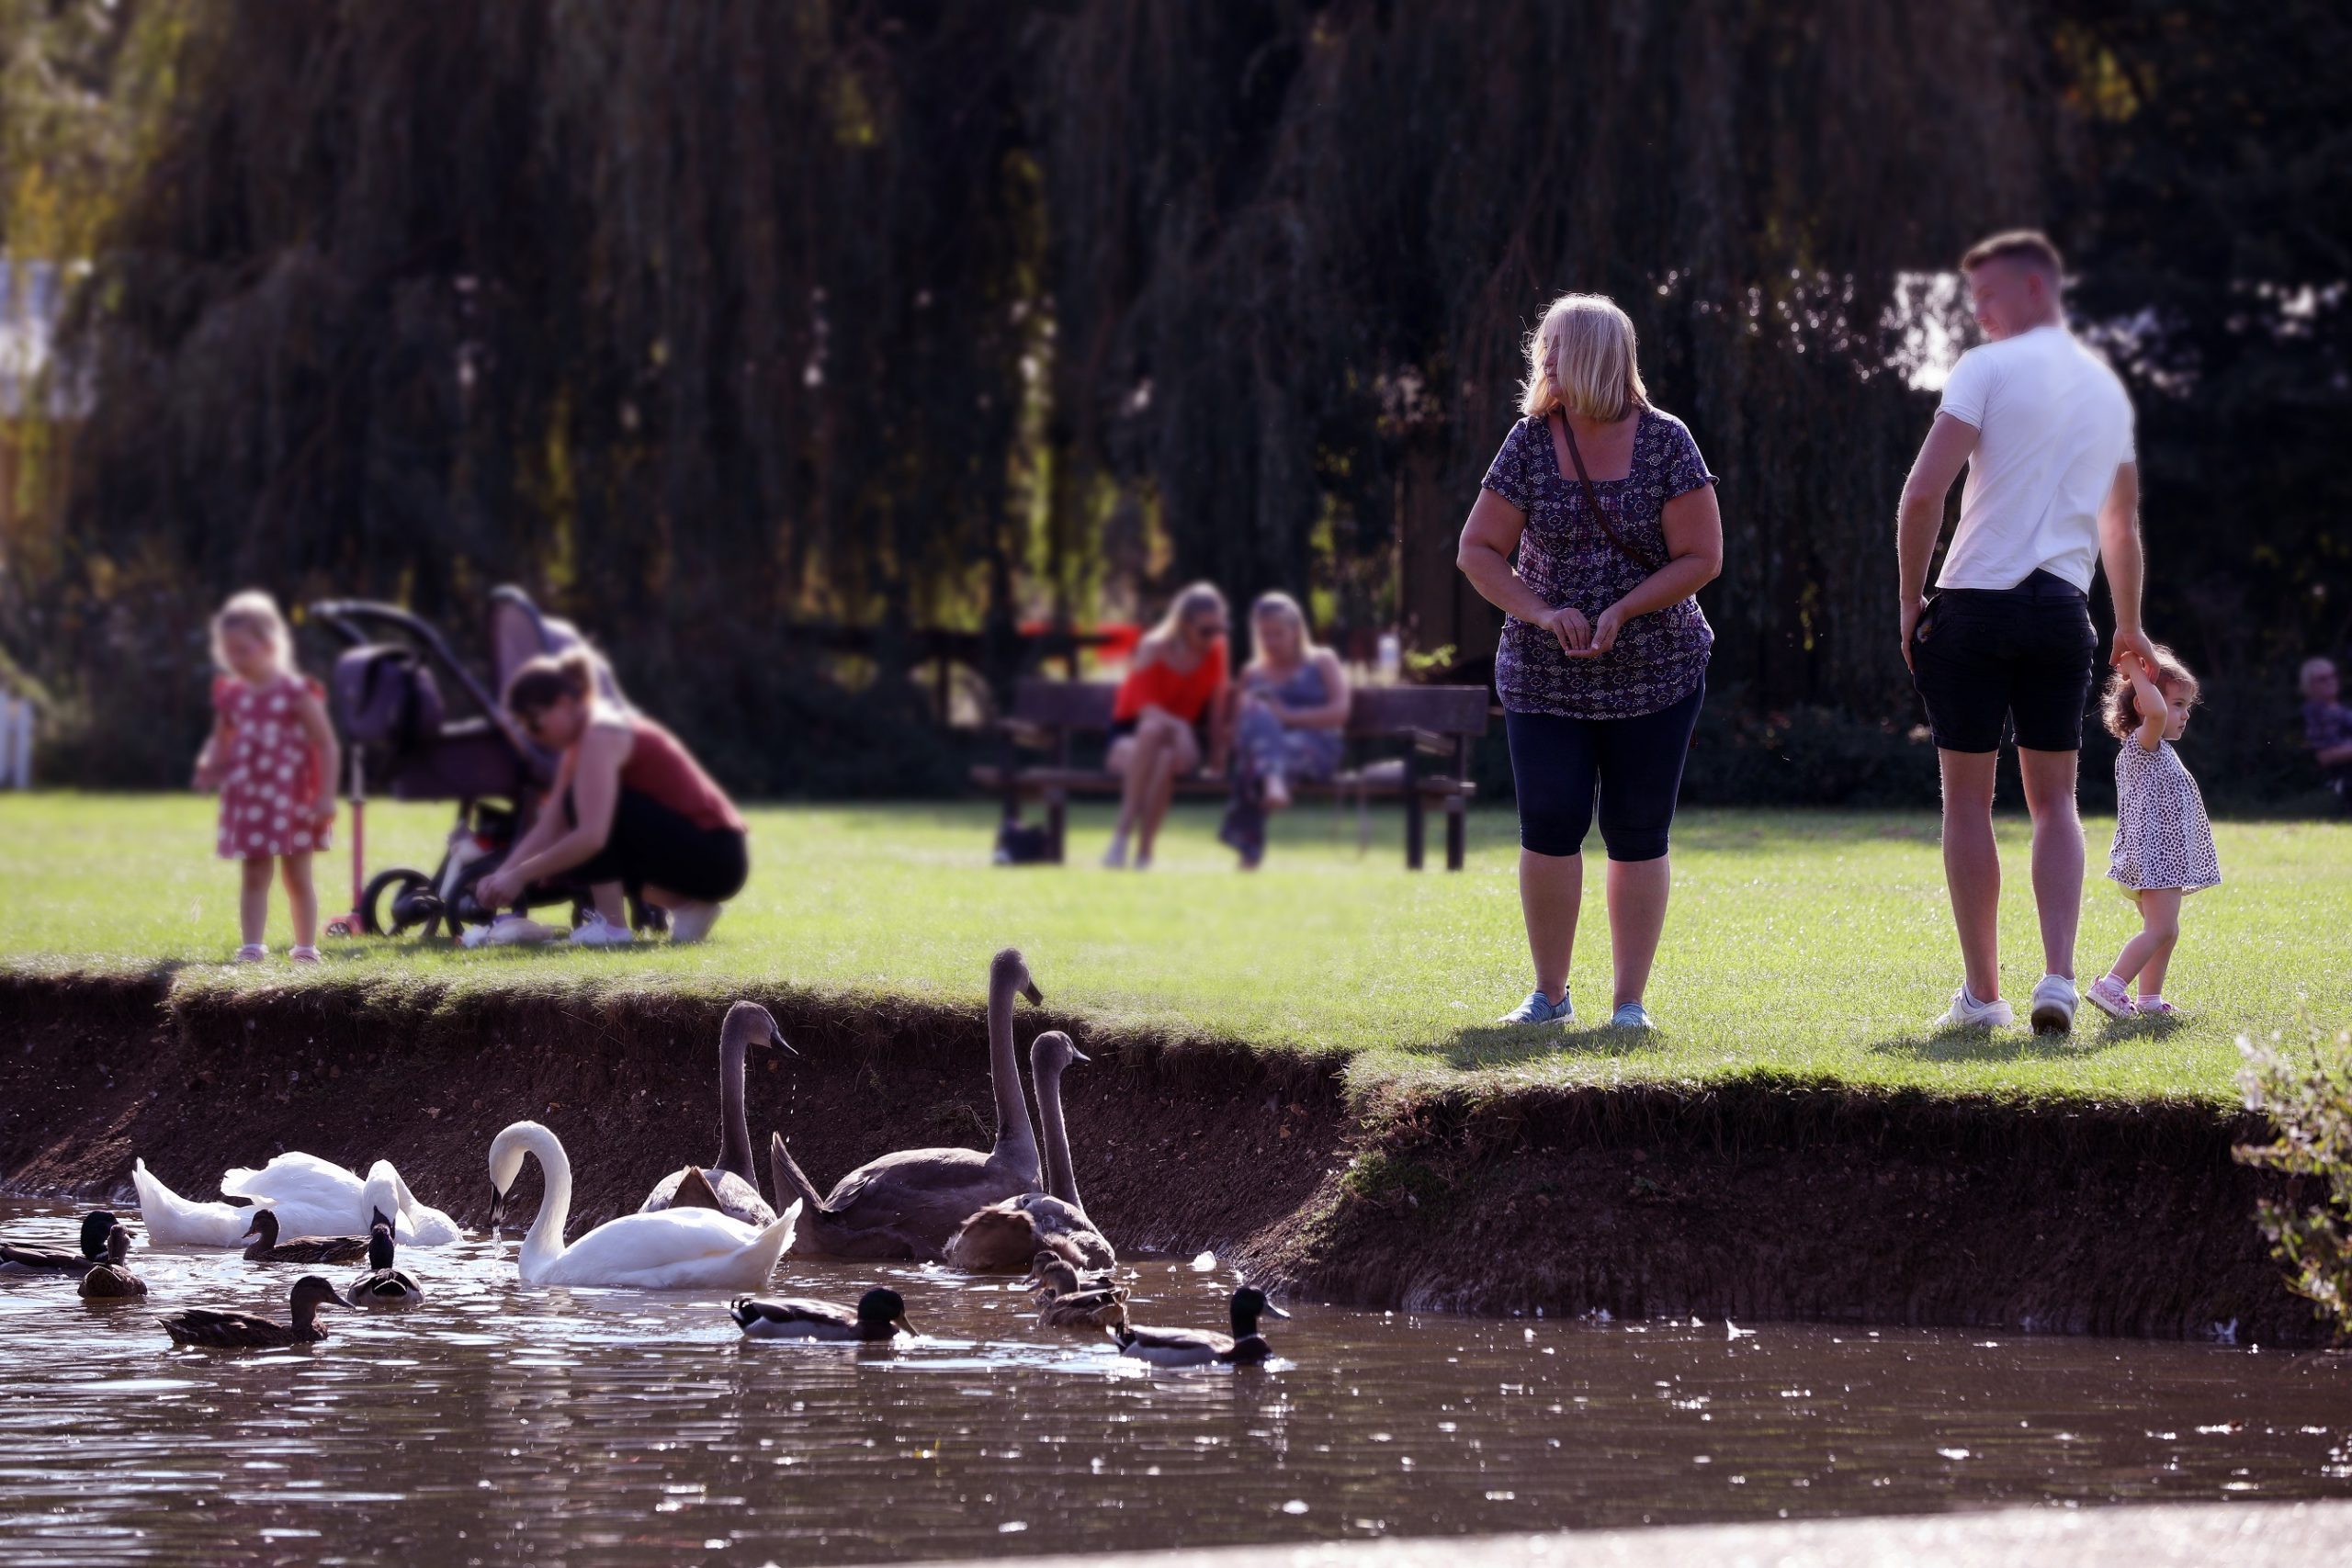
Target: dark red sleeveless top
{"x": 661, "y": 769}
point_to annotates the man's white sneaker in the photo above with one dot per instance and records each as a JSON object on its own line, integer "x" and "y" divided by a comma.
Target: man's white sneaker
{"x": 2053, "y": 1005}
{"x": 691, "y": 920}
{"x": 1967, "y": 1012}
{"x": 598, "y": 931}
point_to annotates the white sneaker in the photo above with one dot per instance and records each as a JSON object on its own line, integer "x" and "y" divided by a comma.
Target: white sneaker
{"x": 598, "y": 931}
{"x": 692, "y": 920}
{"x": 2053, "y": 1005}
{"x": 1967, "y": 1012}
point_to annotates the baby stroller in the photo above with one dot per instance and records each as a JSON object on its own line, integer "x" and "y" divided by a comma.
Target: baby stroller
{"x": 390, "y": 702}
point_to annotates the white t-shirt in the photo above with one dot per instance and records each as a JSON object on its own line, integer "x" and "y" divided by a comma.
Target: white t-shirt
{"x": 2053, "y": 426}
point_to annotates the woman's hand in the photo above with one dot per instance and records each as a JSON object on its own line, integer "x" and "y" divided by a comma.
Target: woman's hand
{"x": 497, "y": 890}
{"x": 1605, "y": 629}
{"x": 1567, "y": 624}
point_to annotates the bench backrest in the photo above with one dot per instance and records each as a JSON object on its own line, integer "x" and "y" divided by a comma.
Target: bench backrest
{"x": 1372, "y": 710}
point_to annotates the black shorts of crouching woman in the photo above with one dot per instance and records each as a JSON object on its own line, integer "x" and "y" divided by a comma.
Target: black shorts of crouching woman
{"x": 653, "y": 845}
{"x": 2024, "y": 656}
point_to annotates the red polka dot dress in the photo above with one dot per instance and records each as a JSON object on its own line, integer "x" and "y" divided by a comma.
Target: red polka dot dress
{"x": 270, "y": 785}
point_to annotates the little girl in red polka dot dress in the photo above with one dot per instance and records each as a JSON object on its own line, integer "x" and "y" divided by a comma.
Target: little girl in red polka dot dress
{"x": 274, "y": 759}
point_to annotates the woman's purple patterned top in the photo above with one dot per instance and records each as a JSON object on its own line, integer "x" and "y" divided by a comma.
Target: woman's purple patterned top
{"x": 1566, "y": 558}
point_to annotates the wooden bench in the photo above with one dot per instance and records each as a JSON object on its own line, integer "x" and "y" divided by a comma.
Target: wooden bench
{"x": 1440, "y": 719}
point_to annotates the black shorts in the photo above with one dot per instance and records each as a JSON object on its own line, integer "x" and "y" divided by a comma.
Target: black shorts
{"x": 651, "y": 844}
{"x": 2026, "y": 656}
{"x": 1559, "y": 767}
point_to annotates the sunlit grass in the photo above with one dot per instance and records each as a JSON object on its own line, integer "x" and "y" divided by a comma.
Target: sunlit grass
{"x": 1809, "y": 945}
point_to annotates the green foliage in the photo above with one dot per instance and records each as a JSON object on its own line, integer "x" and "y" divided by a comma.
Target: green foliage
{"x": 2306, "y": 1090}
{"x": 706, "y": 321}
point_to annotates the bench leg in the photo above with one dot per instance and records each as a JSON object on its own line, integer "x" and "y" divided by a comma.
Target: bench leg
{"x": 1456, "y": 829}
{"x": 1057, "y": 824}
{"x": 1414, "y": 831}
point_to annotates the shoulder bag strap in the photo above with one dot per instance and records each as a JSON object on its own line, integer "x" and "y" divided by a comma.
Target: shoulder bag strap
{"x": 1592, "y": 499}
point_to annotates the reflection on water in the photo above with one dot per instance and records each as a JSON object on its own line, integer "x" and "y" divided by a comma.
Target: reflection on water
{"x": 619, "y": 1427}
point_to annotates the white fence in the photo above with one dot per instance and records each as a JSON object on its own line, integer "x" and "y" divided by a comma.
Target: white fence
{"x": 16, "y": 741}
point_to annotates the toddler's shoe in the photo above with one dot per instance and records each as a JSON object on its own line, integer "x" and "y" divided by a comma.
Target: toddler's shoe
{"x": 1540, "y": 1008}
{"x": 2053, "y": 1005}
{"x": 2156, "y": 1007}
{"x": 303, "y": 955}
{"x": 1967, "y": 1012}
{"x": 2108, "y": 996}
{"x": 251, "y": 953}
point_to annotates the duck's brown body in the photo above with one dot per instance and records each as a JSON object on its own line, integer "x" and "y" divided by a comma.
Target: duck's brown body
{"x": 111, "y": 1281}
{"x": 267, "y": 1249}
{"x": 243, "y": 1331}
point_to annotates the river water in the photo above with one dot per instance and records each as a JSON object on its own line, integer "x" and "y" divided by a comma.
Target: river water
{"x": 497, "y": 1423}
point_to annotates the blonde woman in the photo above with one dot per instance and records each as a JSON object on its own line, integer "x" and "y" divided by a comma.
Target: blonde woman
{"x": 1610, "y": 512}
{"x": 1175, "y": 690}
{"x": 1291, "y": 704}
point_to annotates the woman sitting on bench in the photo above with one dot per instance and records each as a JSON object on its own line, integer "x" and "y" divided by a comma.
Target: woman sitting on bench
{"x": 1175, "y": 687}
{"x": 630, "y": 810}
{"x": 1293, "y": 707}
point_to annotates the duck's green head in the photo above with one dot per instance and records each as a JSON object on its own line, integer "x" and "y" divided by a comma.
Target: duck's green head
{"x": 379, "y": 1245}
{"x": 1249, "y": 1304}
{"x": 883, "y": 1309}
{"x": 96, "y": 1225}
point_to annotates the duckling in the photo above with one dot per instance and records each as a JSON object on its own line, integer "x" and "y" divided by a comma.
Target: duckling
{"x": 96, "y": 1227}
{"x": 880, "y": 1314}
{"x": 243, "y": 1331}
{"x": 1198, "y": 1346}
{"x": 383, "y": 1285}
{"x": 110, "y": 1281}
{"x": 265, "y": 1248}
{"x": 1064, "y": 1302}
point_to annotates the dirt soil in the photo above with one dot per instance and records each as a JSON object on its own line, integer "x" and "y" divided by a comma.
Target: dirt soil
{"x": 1753, "y": 1202}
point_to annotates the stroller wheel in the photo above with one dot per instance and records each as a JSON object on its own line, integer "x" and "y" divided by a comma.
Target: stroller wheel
{"x": 397, "y": 900}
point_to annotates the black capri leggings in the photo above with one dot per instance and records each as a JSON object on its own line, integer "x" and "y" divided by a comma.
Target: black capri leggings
{"x": 652, "y": 843}
{"x": 1634, "y": 764}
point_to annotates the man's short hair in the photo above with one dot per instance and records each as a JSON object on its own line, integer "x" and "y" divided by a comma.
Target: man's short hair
{"x": 2028, "y": 246}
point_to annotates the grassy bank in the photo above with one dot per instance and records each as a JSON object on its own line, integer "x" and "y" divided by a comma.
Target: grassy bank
{"x": 1808, "y": 946}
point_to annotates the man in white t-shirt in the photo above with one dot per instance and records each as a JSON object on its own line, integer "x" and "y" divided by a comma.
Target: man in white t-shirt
{"x": 2045, "y": 430}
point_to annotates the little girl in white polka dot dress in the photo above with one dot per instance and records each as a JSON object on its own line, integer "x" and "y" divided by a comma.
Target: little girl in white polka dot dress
{"x": 273, "y": 756}
{"x": 2163, "y": 844}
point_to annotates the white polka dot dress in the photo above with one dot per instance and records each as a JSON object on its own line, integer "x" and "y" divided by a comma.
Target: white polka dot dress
{"x": 271, "y": 779}
{"x": 2162, "y": 837}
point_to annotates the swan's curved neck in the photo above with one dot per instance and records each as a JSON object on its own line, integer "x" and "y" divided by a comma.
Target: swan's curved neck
{"x": 544, "y": 1243}
{"x": 1061, "y": 1181}
{"x": 734, "y": 1130}
{"x": 1015, "y": 1139}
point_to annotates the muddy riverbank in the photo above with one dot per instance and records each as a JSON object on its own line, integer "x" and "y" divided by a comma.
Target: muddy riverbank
{"x": 1748, "y": 1199}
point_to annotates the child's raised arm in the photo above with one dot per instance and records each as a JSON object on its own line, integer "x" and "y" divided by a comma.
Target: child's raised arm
{"x": 312, "y": 716}
{"x": 2152, "y": 712}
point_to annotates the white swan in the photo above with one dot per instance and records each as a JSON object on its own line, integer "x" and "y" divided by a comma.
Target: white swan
{"x": 174, "y": 1221}
{"x": 670, "y": 1249}
{"x": 318, "y": 1197}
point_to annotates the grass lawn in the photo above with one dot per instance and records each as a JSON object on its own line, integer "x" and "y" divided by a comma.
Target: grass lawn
{"x": 1807, "y": 944}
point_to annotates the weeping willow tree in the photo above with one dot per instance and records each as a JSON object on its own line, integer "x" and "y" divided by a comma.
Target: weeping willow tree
{"x": 714, "y": 322}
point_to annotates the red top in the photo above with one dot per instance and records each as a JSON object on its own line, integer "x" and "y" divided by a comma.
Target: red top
{"x": 1186, "y": 695}
{"x": 661, "y": 769}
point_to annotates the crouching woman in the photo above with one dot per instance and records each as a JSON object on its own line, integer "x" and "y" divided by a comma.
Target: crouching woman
{"x": 630, "y": 812}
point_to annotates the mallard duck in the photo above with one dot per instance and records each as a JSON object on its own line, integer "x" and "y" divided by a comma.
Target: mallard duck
{"x": 728, "y": 1184}
{"x": 907, "y": 1204}
{"x": 1200, "y": 1348}
{"x": 671, "y": 1249}
{"x": 1003, "y": 1236}
{"x": 110, "y": 1281}
{"x": 243, "y": 1331}
{"x": 383, "y": 1285}
{"x": 97, "y": 1228}
{"x": 1066, "y": 1302}
{"x": 265, "y": 1248}
{"x": 879, "y": 1314}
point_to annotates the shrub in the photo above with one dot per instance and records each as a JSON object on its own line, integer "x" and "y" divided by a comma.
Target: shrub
{"x": 2308, "y": 1095}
